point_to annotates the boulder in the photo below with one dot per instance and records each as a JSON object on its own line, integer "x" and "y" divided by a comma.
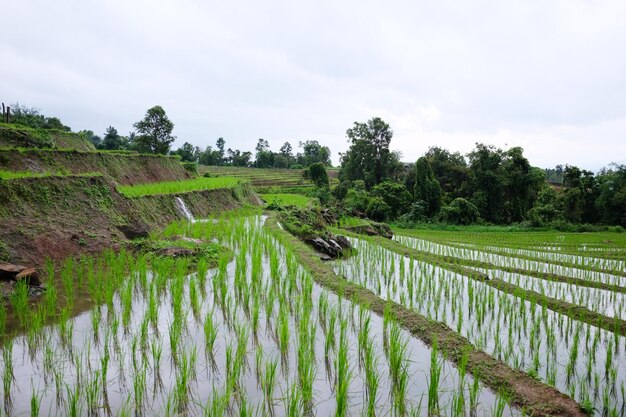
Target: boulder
{"x": 11, "y": 272}
{"x": 186, "y": 239}
{"x": 176, "y": 252}
{"x": 134, "y": 230}
{"x": 330, "y": 247}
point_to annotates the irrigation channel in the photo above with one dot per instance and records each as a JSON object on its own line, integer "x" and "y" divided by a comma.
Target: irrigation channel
{"x": 586, "y": 362}
{"x": 253, "y": 336}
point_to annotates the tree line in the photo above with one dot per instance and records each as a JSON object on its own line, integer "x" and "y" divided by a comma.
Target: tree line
{"x": 487, "y": 185}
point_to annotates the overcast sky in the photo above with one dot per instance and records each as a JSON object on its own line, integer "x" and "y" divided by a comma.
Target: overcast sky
{"x": 549, "y": 76}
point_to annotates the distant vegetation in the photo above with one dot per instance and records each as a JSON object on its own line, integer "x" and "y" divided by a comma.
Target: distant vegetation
{"x": 487, "y": 186}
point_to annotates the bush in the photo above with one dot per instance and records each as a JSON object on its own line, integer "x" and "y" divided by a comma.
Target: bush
{"x": 395, "y": 195}
{"x": 317, "y": 174}
{"x": 191, "y": 167}
{"x": 357, "y": 200}
{"x": 296, "y": 166}
{"x": 341, "y": 190}
{"x": 459, "y": 211}
{"x": 323, "y": 194}
{"x": 377, "y": 209}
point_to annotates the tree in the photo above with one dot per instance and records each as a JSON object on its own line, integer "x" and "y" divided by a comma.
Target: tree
{"x": 264, "y": 156}
{"x": 112, "y": 140}
{"x": 313, "y": 152}
{"x": 318, "y": 175}
{"x": 209, "y": 156}
{"x": 427, "y": 188}
{"x": 220, "y": 149}
{"x": 155, "y": 132}
{"x": 188, "y": 152}
{"x": 368, "y": 157}
{"x": 487, "y": 181}
{"x": 32, "y": 117}
{"x": 450, "y": 170}
{"x": 459, "y": 211}
{"x": 395, "y": 195}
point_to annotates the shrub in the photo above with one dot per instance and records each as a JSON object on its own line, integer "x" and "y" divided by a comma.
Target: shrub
{"x": 317, "y": 174}
{"x": 377, "y": 209}
{"x": 341, "y": 190}
{"x": 395, "y": 195}
{"x": 459, "y": 211}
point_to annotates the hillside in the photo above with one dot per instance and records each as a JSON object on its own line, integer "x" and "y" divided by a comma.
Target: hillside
{"x": 60, "y": 216}
{"x": 120, "y": 167}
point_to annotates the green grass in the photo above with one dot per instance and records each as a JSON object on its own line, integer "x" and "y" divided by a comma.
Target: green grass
{"x": 173, "y": 187}
{"x": 288, "y": 199}
{"x": 12, "y": 175}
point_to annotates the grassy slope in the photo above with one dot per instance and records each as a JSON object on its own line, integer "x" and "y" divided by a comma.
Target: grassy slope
{"x": 12, "y": 136}
{"x": 60, "y": 216}
{"x": 122, "y": 168}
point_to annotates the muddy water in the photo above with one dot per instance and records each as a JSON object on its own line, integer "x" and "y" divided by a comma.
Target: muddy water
{"x": 120, "y": 359}
{"x": 524, "y": 335}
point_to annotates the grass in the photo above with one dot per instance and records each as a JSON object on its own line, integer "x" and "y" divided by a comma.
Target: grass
{"x": 287, "y": 200}
{"x": 13, "y": 175}
{"x": 174, "y": 187}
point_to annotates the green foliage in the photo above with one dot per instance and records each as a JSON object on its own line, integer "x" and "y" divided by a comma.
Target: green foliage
{"x": 112, "y": 140}
{"x": 172, "y": 187}
{"x": 313, "y": 152}
{"x": 341, "y": 190}
{"x": 317, "y": 174}
{"x": 33, "y": 118}
{"x": 279, "y": 200}
{"x": 395, "y": 195}
{"x": 357, "y": 200}
{"x": 155, "y": 132}
{"x": 191, "y": 167}
{"x": 459, "y": 212}
{"x": 427, "y": 188}
{"x": 369, "y": 158}
{"x": 378, "y": 209}
{"x": 188, "y": 152}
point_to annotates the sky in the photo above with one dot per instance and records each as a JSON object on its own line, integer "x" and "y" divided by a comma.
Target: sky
{"x": 549, "y": 76}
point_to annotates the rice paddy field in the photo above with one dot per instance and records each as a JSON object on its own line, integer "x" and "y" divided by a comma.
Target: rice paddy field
{"x": 265, "y": 178}
{"x": 259, "y": 332}
{"x": 173, "y": 187}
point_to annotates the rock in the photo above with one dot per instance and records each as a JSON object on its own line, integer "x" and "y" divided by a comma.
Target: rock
{"x": 372, "y": 229}
{"x": 330, "y": 247}
{"x": 187, "y": 239}
{"x": 30, "y": 275}
{"x": 175, "y": 252}
{"x": 134, "y": 230}
{"x": 11, "y": 272}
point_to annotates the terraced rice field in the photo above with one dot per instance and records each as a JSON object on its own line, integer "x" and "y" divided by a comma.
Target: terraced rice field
{"x": 270, "y": 330}
{"x": 266, "y": 178}
{"x": 549, "y": 304}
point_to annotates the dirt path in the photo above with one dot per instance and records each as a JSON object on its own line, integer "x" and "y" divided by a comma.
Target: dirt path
{"x": 535, "y": 397}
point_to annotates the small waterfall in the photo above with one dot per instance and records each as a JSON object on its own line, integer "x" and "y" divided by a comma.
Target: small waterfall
{"x": 184, "y": 210}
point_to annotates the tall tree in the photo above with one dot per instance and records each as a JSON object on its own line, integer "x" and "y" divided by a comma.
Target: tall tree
{"x": 313, "y": 152}
{"x": 112, "y": 140}
{"x": 368, "y": 157}
{"x": 221, "y": 152}
{"x": 427, "y": 188}
{"x": 188, "y": 152}
{"x": 155, "y": 132}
